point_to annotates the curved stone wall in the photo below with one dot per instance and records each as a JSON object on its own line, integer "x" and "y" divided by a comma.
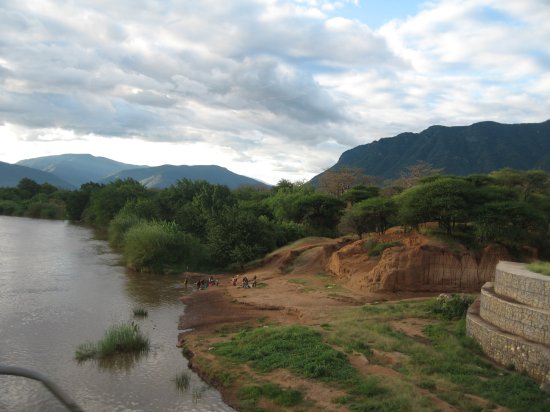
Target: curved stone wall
{"x": 516, "y": 318}
{"x": 515, "y": 281}
{"x": 511, "y": 320}
{"x": 529, "y": 357}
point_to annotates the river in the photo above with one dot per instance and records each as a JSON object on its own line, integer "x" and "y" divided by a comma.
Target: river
{"x": 60, "y": 287}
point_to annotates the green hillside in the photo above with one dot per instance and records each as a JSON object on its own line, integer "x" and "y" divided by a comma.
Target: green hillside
{"x": 459, "y": 150}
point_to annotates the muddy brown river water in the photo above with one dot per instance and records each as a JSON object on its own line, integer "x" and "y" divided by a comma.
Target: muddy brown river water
{"x": 59, "y": 287}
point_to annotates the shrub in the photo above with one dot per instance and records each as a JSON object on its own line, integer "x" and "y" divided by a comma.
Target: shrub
{"x": 119, "y": 226}
{"x": 153, "y": 246}
{"x": 452, "y": 306}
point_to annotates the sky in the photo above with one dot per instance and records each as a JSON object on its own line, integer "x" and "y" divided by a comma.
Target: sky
{"x": 271, "y": 89}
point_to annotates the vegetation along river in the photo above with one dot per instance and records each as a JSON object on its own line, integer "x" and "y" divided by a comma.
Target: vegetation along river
{"x": 60, "y": 287}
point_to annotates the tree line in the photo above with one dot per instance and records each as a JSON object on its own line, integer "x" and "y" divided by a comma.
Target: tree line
{"x": 196, "y": 225}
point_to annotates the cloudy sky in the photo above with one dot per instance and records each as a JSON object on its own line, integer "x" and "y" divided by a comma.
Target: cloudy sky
{"x": 270, "y": 89}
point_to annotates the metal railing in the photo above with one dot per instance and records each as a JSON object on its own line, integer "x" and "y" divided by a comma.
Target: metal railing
{"x": 47, "y": 382}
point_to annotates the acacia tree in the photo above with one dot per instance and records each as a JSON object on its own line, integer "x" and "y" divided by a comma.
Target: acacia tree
{"x": 371, "y": 215}
{"x": 337, "y": 182}
{"x": 411, "y": 175}
{"x": 447, "y": 200}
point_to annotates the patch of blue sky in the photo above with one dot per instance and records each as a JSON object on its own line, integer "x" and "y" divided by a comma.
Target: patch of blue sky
{"x": 490, "y": 15}
{"x": 376, "y": 13}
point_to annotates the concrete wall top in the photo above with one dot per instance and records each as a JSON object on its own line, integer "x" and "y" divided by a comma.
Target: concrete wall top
{"x": 514, "y": 280}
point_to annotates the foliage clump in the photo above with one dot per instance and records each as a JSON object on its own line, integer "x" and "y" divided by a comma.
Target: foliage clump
{"x": 452, "y": 306}
{"x": 540, "y": 267}
{"x": 119, "y": 338}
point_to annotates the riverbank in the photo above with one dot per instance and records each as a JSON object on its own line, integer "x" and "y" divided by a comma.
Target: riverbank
{"x": 398, "y": 354}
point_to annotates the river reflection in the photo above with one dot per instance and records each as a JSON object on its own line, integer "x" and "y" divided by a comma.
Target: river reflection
{"x": 60, "y": 287}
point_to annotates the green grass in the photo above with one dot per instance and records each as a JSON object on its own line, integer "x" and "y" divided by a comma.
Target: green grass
{"x": 304, "y": 352}
{"x": 119, "y": 338}
{"x": 182, "y": 381}
{"x": 140, "y": 312}
{"x": 446, "y": 361}
{"x": 540, "y": 267}
{"x": 299, "y": 349}
{"x": 250, "y": 395}
{"x": 378, "y": 248}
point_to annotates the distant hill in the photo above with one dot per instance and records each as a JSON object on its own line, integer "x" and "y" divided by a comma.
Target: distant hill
{"x": 458, "y": 150}
{"x": 77, "y": 168}
{"x": 10, "y": 175}
{"x": 163, "y": 176}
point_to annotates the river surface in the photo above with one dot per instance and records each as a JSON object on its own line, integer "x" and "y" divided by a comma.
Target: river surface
{"x": 60, "y": 287}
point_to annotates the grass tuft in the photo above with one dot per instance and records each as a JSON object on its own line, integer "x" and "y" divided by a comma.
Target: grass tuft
{"x": 182, "y": 381}
{"x": 120, "y": 338}
{"x": 140, "y": 312}
{"x": 540, "y": 267}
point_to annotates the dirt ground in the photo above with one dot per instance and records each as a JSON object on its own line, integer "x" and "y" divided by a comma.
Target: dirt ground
{"x": 292, "y": 288}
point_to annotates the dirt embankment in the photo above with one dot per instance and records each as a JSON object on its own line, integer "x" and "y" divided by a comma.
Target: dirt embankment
{"x": 305, "y": 283}
{"x": 416, "y": 264}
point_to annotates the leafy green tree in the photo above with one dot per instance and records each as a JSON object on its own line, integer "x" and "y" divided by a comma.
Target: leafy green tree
{"x": 360, "y": 192}
{"x": 511, "y": 223}
{"x": 526, "y": 183}
{"x": 27, "y": 188}
{"x": 236, "y": 236}
{"x": 77, "y": 201}
{"x": 107, "y": 201}
{"x": 446, "y": 200}
{"x": 371, "y": 215}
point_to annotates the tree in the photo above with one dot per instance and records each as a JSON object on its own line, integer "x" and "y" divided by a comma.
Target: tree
{"x": 511, "y": 223}
{"x": 446, "y": 200}
{"x": 28, "y": 188}
{"x": 526, "y": 183}
{"x": 411, "y": 175}
{"x": 337, "y": 182}
{"x": 360, "y": 192}
{"x": 107, "y": 201}
{"x": 370, "y": 215}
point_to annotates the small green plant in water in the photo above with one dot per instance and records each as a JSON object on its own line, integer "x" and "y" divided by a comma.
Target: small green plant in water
{"x": 140, "y": 312}
{"x": 120, "y": 338}
{"x": 182, "y": 381}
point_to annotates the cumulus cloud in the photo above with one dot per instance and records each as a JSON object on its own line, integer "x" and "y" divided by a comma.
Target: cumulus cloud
{"x": 267, "y": 81}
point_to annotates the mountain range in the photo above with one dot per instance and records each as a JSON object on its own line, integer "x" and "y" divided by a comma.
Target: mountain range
{"x": 458, "y": 150}
{"x": 70, "y": 171}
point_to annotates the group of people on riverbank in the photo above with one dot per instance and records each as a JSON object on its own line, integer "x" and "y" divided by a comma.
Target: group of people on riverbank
{"x": 245, "y": 282}
{"x": 202, "y": 284}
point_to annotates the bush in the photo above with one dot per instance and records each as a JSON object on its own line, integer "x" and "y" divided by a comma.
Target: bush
{"x": 119, "y": 226}
{"x": 452, "y": 306}
{"x": 153, "y": 246}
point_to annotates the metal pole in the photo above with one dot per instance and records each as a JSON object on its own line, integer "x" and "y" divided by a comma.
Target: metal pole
{"x": 47, "y": 382}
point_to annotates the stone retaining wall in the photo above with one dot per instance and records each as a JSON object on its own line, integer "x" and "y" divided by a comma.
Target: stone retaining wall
{"x": 515, "y": 281}
{"x": 516, "y": 318}
{"x": 511, "y": 320}
{"x": 525, "y": 356}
